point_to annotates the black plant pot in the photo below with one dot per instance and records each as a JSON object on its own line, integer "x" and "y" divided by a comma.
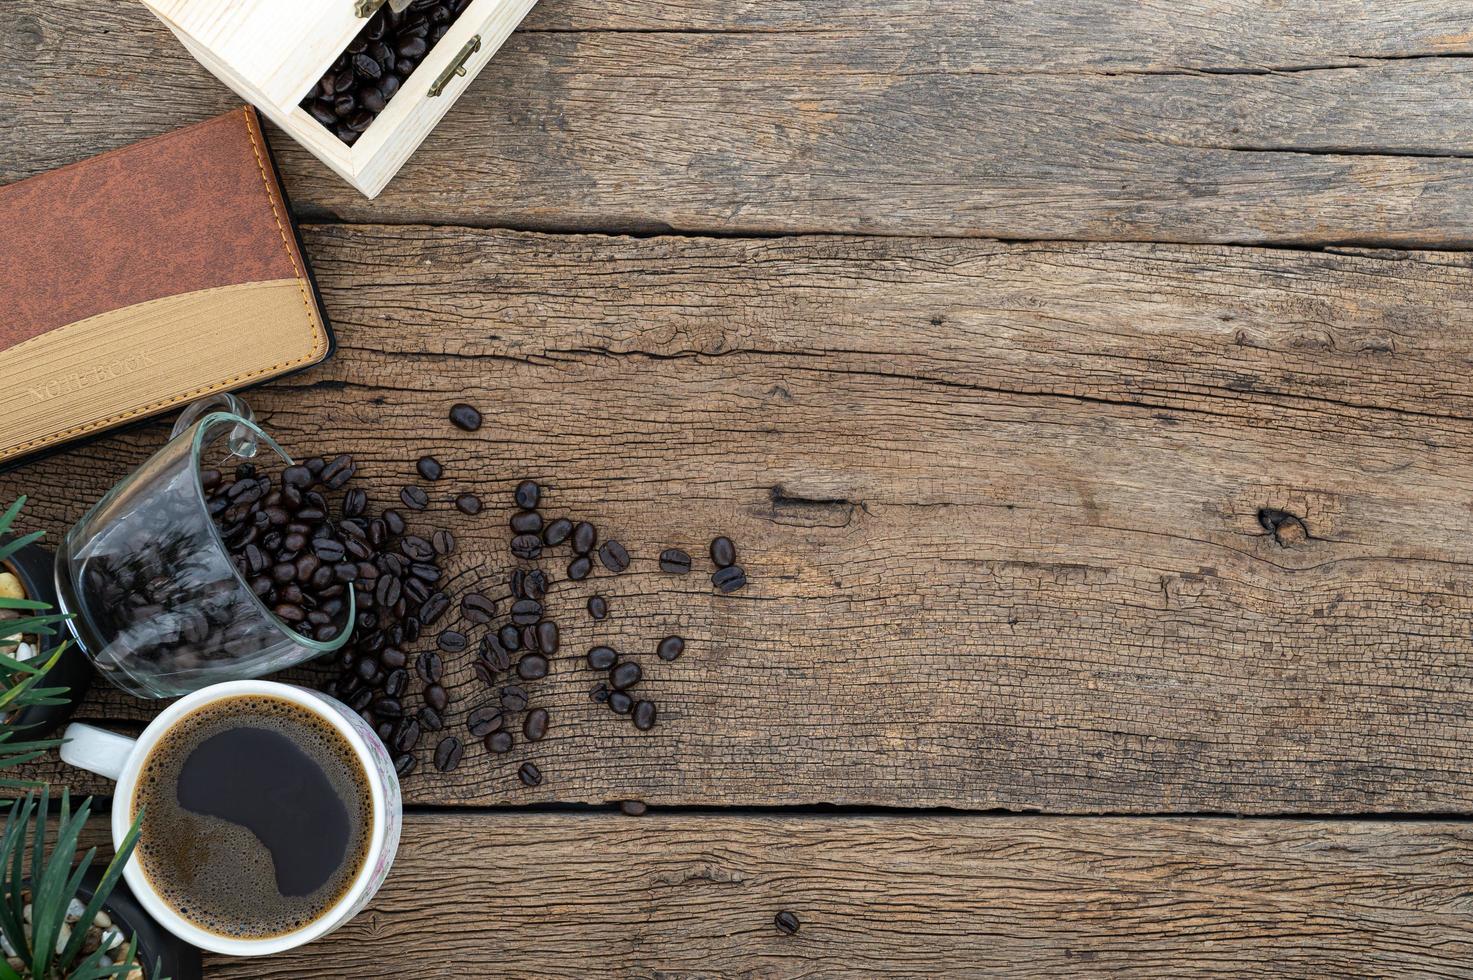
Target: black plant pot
{"x": 161, "y": 953}
{"x": 33, "y": 565}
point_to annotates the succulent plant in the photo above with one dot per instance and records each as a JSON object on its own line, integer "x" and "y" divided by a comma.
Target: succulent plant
{"x": 39, "y": 894}
{"x": 24, "y": 622}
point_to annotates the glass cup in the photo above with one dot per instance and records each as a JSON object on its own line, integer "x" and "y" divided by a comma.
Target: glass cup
{"x": 156, "y": 602}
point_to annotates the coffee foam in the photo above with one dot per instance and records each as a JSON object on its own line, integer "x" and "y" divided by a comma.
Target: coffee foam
{"x": 218, "y": 875}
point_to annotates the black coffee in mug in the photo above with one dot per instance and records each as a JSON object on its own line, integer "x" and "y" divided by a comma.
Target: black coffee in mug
{"x": 257, "y": 817}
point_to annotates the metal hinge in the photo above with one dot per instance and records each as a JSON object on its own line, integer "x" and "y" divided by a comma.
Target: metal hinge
{"x": 457, "y": 67}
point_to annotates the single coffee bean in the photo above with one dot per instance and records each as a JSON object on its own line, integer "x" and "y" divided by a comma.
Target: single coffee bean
{"x": 494, "y": 654}
{"x": 787, "y": 923}
{"x": 547, "y": 637}
{"x": 483, "y": 673}
{"x": 436, "y": 697}
{"x": 620, "y": 703}
{"x": 394, "y": 521}
{"x": 599, "y": 694}
{"x": 478, "y": 608}
{"x": 452, "y": 641}
{"x": 557, "y": 532}
{"x": 484, "y": 720}
{"x": 524, "y": 612}
{"x": 388, "y": 707}
{"x": 443, "y": 542}
{"x": 407, "y": 736}
{"x": 468, "y": 503}
{"x": 533, "y": 584}
{"x": 723, "y": 552}
{"x": 534, "y": 726}
{"x": 644, "y": 715}
{"x": 624, "y": 675}
{"x": 670, "y": 648}
{"x": 585, "y": 536}
{"x": 464, "y": 416}
{"x": 529, "y": 774}
{"x": 579, "y": 568}
{"x": 729, "y": 579}
{"x": 416, "y": 548}
{"x": 395, "y": 682}
{"x": 429, "y": 468}
{"x": 598, "y": 607}
{"x": 513, "y": 698}
{"x": 529, "y": 638}
{"x": 510, "y": 637}
{"x": 613, "y": 556}
{"x": 633, "y": 808}
{"x": 526, "y": 546}
{"x": 527, "y": 495}
{"x": 404, "y": 765}
{"x": 448, "y": 753}
{"x": 433, "y": 608}
{"x": 414, "y": 498}
{"x": 429, "y": 719}
{"x": 602, "y": 658}
{"x": 532, "y": 667}
{"x": 429, "y": 667}
{"x": 674, "y": 561}
{"x": 526, "y": 522}
{"x": 499, "y": 742}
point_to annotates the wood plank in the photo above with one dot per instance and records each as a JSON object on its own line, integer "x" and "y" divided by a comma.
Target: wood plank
{"x": 694, "y": 896}
{"x": 1302, "y": 122}
{"x": 1001, "y": 505}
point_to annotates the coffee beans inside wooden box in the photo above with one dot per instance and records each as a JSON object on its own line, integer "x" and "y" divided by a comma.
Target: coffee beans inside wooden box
{"x": 359, "y": 83}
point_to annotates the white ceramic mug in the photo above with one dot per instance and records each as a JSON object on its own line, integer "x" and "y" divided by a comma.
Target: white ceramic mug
{"x": 120, "y": 758}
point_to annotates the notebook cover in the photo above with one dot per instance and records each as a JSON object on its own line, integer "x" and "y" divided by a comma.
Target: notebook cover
{"x": 146, "y": 277}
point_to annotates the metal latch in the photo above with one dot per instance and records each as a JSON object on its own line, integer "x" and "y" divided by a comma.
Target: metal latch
{"x": 367, "y": 8}
{"x": 457, "y": 67}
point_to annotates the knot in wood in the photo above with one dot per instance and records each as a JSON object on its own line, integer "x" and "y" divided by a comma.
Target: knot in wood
{"x": 1287, "y": 529}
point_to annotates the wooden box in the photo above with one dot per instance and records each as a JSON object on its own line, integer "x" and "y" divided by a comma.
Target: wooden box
{"x": 273, "y": 52}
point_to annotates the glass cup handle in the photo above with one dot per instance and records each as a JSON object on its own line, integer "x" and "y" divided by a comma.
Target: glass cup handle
{"x": 242, "y": 440}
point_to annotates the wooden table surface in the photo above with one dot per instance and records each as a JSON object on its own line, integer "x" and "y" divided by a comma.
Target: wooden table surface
{"x": 1087, "y": 387}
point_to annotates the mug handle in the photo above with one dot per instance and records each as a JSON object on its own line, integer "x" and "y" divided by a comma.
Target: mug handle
{"x": 96, "y": 750}
{"x": 242, "y": 440}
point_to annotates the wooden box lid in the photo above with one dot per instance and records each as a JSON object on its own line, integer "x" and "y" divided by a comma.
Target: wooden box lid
{"x": 278, "y": 49}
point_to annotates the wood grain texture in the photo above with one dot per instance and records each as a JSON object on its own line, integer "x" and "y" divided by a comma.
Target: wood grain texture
{"x": 1003, "y": 507}
{"x": 1304, "y": 122}
{"x": 694, "y": 896}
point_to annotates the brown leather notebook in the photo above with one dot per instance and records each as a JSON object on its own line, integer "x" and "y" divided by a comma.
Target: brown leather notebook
{"x": 143, "y": 278}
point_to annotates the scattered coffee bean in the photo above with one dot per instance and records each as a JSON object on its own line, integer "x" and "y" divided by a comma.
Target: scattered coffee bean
{"x": 478, "y": 608}
{"x": 526, "y": 522}
{"x": 644, "y": 715}
{"x": 468, "y": 503}
{"x": 532, "y": 667}
{"x": 670, "y": 648}
{"x": 433, "y": 608}
{"x": 483, "y": 673}
{"x": 534, "y": 726}
{"x": 414, "y": 498}
{"x": 429, "y": 667}
{"x": 787, "y": 923}
{"x": 452, "y": 641}
{"x": 557, "y": 532}
{"x": 464, "y": 416}
{"x": 443, "y": 542}
{"x": 527, "y": 495}
{"x": 620, "y": 702}
{"x": 448, "y": 753}
{"x": 624, "y": 675}
{"x": 674, "y": 561}
{"x": 510, "y": 638}
{"x": 529, "y": 774}
{"x": 723, "y": 552}
{"x": 436, "y": 697}
{"x": 513, "y": 699}
{"x": 429, "y": 468}
{"x": 547, "y": 637}
{"x": 579, "y": 568}
{"x": 484, "y": 720}
{"x": 613, "y": 556}
{"x": 599, "y": 693}
{"x": 598, "y": 607}
{"x": 526, "y": 546}
{"x": 429, "y": 719}
{"x": 404, "y": 765}
{"x": 633, "y": 808}
{"x": 499, "y": 742}
{"x": 602, "y": 658}
{"x": 729, "y": 579}
{"x": 585, "y": 536}
{"x": 525, "y": 612}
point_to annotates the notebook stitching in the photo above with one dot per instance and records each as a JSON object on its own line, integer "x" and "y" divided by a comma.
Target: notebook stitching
{"x": 218, "y": 385}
